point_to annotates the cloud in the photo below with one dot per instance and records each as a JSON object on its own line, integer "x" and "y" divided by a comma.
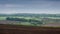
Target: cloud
{"x": 10, "y": 5}
{"x": 35, "y": 6}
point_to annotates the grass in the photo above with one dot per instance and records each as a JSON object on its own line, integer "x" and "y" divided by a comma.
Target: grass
{"x": 2, "y": 18}
{"x": 24, "y": 23}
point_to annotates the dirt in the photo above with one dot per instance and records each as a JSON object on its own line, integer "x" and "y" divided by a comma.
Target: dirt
{"x": 8, "y": 22}
{"x": 15, "y": 29}
{"x": 5, "y": 28}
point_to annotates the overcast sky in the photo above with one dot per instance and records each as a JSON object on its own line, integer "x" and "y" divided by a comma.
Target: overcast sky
{"x": 30, "y": 6}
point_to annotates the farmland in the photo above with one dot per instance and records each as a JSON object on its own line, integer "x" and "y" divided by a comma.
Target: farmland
{"x": 29, "y": 24}
{"x": 4, "y": 21}
{"x": 31, "y": 19}
{"x": 14, "y": 29}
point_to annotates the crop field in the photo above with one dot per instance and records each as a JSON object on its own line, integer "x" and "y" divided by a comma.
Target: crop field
{"x": 2, "y": 18}
{"x": 4, "y": 21}
{"x": 15, "y": 29}
{"x": 50, "y": 22}
{"x": 29, "y": 25}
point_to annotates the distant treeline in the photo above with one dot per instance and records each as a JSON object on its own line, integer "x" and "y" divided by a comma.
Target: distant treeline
{"x": 24, "y": 20}
{"x": 31, "y": 15}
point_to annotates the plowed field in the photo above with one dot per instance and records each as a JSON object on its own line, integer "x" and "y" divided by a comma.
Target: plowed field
{"x": 16, "y": 29}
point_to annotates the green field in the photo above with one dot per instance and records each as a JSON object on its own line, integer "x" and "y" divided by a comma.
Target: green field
{"x": 43, "y": 20}
{"x": 2, "y": 18}
{"x": 20, "y": 23}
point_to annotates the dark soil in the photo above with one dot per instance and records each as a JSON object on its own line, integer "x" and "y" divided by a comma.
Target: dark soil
{"x": 19, "y": 29}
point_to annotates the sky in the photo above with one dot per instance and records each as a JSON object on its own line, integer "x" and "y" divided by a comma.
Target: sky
{"x": 30, "y": 6}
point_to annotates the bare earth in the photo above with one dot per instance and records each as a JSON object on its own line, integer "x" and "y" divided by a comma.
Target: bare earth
{"x": 20, "y": 29}
{"x": 52, "y": 25}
